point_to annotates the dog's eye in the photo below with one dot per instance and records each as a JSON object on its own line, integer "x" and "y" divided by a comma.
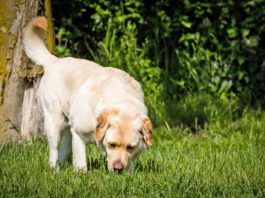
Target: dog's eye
{"x": 130, "y": 147}
{"x": 113, "y": 145}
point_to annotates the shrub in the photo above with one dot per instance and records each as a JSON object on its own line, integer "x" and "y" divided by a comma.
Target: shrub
{"x": 172, "y": 48}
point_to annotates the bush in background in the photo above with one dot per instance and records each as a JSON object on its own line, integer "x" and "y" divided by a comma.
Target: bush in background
{"x": 173, "y": 48}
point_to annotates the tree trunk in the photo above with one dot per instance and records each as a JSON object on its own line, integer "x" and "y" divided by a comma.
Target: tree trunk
{"x": 20, "y": 114}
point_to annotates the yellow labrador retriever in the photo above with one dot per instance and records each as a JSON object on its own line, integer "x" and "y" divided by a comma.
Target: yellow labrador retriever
{"x": 96, "y": 104}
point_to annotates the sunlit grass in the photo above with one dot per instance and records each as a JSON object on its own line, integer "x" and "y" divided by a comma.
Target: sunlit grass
{"x": 225, "y": 158}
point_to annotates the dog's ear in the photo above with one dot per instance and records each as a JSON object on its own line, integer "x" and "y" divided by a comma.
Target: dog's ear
{"x": 147, "y": 130}
{"x": 103, "y": 123}
{"x": 102, "y": 126}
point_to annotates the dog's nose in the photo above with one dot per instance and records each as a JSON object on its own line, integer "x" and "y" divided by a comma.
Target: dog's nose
{"x": 118, "y": 167}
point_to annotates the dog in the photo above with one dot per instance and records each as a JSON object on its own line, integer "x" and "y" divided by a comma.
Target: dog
{"x": 83, "y": 102}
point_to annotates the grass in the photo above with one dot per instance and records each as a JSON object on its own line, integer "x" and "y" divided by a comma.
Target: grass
{"x": 226, "y": 158}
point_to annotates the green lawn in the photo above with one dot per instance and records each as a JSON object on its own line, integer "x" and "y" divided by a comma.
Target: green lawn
{"x": 226, "y": 159}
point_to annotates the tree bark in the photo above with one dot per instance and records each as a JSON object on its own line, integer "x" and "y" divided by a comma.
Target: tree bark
{"x": 20, "y": 114}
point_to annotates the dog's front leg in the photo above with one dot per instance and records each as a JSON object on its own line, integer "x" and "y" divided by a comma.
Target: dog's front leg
{"x": 79, "y": 151}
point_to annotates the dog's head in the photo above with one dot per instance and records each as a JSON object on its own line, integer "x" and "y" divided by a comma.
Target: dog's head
{"x": 122, "y": 137}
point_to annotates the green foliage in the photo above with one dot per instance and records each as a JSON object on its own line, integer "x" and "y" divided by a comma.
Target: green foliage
{"x": 225, "y": 160}
{"x": 217, "y": 43}
{"x": 172, "y": 48}
{"x": 199, "y": 69}
{"x": 61, "y": 49}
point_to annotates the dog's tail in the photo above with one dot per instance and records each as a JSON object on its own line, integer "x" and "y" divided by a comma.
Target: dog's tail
{"x": 34, "y": 44}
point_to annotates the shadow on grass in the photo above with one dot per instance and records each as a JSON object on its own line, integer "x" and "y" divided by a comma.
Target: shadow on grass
{"x": 92, "y": 163}
{"x": 97, "y": 163}
{"x": 148, "y": 166}
{"x": 196, "y": 111}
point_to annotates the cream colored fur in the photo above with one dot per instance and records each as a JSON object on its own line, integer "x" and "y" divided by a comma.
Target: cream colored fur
{"x": 75, "y": 93}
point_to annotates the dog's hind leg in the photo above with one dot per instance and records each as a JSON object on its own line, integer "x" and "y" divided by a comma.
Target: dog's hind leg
{"x": 53, "y": 124}
{"x": 65, "y": 148}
